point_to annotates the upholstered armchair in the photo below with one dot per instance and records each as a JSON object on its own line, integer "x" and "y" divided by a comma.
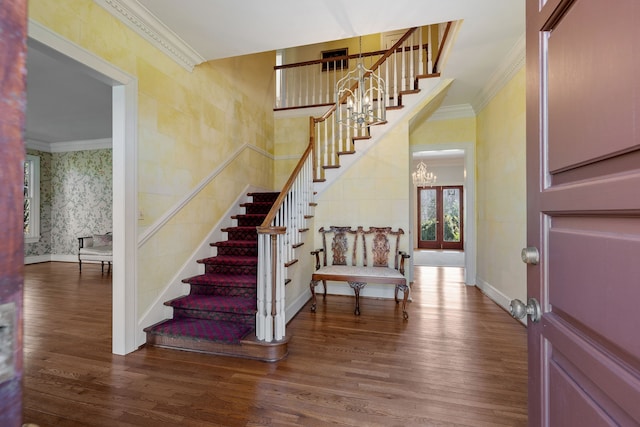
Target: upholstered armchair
{"x": 96, "y": 248}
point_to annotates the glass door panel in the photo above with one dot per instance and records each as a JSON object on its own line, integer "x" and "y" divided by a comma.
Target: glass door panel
{"x": 451, "y": 210}
{"x": 428, "y": 214}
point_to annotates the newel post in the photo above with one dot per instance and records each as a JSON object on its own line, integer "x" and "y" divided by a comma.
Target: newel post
{"x": 270, "y": 316}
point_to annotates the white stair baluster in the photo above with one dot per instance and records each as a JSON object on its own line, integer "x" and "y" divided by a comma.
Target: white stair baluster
{"x": 429, "y": 62}
{"x": 420, "y": 53}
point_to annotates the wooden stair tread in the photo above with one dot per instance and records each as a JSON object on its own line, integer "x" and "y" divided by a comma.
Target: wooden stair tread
{"x": 290, "y": 263}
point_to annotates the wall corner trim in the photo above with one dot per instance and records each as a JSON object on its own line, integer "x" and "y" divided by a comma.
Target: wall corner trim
{"x": 147, "y": 25}
{"x": 514, "y": 61}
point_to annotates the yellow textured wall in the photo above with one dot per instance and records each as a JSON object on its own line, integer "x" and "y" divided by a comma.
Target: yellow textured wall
{"x": 189, "y": 124}
{"x": 501, "y": 196}
{"x": 374, "y": 191}
{"x": 444, "y": 131}
{"x": 291, "y": 138}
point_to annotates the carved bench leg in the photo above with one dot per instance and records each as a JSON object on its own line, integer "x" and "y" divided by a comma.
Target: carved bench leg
{"x": 313, "y": 285}
{"x": 405, "y": 289}
{"x": 356, "y": 286}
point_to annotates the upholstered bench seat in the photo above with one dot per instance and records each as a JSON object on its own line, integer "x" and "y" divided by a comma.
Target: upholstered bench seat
{"x": 96, "y": 248}
{"x": 349, "y": 261}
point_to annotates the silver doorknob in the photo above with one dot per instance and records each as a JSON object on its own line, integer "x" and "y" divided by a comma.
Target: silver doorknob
{"x": 519, "y": 310}
{"x": 530, "y": 255}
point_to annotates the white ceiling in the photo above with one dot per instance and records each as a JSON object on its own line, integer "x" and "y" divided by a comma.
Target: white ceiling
{"x": 68, "y": 105}
{"x": 64, "y": 103}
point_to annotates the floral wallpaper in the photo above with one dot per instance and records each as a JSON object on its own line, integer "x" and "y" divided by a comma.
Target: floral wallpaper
{"x": 82, "y": 197}
{"x": 78, "y": 201}
{"x": 43, "y": 247}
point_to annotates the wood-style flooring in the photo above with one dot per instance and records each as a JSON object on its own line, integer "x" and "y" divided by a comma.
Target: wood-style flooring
{"x": 460, "y": 360}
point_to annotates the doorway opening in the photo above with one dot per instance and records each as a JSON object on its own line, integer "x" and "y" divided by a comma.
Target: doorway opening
{"x": 453, "y": 164}
{"x": 124, "y": 162}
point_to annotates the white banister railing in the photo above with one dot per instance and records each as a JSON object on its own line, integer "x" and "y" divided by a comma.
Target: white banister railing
{"x": 313, "y": 83}
{"x": 278, "y": 237}
{"x": 400, "y": 68}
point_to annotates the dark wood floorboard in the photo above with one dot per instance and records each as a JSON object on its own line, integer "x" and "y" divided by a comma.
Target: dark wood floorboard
{"x": 460, "y": 360}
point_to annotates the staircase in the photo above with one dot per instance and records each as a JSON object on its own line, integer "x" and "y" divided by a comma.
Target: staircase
{"x": 218, "y": 315}
{"x": 238, "y": 306}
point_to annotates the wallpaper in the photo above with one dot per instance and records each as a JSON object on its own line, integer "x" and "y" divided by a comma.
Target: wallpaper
{"x": 82, "y": 197}
{"x": 75, "y": 199}
{"x": 43, "y": 247}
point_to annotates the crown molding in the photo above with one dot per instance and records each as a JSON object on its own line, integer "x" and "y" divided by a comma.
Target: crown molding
{"x": 147, "y": 25}
{"x": 514, "y": 61}
{"x": 64, "y": 147}
{"x": 450, "y": 112}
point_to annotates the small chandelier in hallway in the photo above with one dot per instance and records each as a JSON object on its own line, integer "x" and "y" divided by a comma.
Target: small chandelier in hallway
{"x": 422, "y": 177}
{"x": 360, "y": 97}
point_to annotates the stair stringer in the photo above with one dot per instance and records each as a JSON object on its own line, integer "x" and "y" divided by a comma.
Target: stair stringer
{"x": 412, "y": 103}
{"x": 158, "y": 311}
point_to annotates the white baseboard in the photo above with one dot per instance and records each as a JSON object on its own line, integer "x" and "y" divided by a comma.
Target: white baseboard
{"x": 438, "y": 258}
{"x": 36, "y": 259}
{"x": 175, "y": 288}
{"x": 52, "y": 258}
{"x": 66, "y": 258}
{"x": 296, "y": 305}
{"x": 496, "y": 296}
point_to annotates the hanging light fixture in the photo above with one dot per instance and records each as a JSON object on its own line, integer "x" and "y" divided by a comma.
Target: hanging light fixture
{"x": 360, "y": 97}
{"x": 422, "y": 177}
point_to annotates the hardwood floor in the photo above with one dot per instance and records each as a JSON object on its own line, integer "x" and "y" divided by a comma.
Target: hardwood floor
{"x": 459, "y": 360}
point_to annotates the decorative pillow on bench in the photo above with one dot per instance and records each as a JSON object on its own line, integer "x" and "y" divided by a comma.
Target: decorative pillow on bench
{"x": 102, "y": 239}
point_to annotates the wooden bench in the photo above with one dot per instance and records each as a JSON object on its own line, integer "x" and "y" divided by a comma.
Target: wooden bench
{"x": 349, "y": 262}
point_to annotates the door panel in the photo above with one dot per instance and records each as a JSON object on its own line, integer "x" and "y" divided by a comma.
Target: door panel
{"x": 583, "y": 197}
{"x": 588, "y": 276}
{"x": 601, "y": 377}
{"x": 579, "y": 64}
{"x": 568, "y": 398}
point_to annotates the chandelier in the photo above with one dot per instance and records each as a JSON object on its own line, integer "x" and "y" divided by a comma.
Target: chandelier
{"x": 360, "y": 97}
{"x": 421, "y": 177}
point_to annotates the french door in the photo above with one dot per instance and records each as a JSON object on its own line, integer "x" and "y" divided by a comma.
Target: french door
{"x": 440, "y": 217}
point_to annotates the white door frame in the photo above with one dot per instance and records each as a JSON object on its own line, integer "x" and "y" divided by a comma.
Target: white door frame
{"x": 469, "y": 194}
{"x": 125, "y": 183}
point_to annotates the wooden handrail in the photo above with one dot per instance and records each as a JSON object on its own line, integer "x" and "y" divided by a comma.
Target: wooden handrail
{"x": 441, "y": 45}
{"x": 342, "y": 58}
{"x": 266, "y": 227}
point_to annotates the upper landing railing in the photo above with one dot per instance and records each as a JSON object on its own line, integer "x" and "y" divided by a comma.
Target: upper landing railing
{"x": 312, "y": 83}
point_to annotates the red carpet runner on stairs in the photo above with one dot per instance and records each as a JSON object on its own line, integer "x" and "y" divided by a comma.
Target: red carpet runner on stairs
{"x": 221, "y": 304}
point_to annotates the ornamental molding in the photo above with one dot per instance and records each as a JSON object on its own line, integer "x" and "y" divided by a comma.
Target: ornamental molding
{"x": 147, "y": 25}
{"x": 514, "y": 61}
{"x": 450, "y": 112}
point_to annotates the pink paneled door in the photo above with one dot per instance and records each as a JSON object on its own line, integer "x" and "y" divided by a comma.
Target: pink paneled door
{"x": 13, "y": 49}
{"x": 583, "y": 179}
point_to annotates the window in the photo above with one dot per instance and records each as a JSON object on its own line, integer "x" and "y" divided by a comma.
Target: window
{"x": 280, "y": 95}
{"x": 32, "y": 199}
{"x": 335, "y": 64}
